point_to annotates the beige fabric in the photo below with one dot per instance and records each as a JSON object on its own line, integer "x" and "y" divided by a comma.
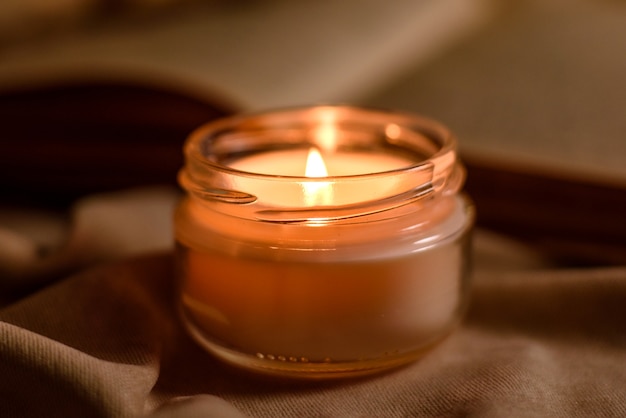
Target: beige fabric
{"x": 37, "y": 246}
{"x": 105, "y": 342}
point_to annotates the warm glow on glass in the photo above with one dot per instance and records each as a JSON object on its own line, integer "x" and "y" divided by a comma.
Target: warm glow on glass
{"x": 326, "y": 137}
{"x": 393, "y": 131}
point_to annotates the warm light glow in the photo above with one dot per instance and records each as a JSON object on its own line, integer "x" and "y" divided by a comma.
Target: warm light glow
{"x": 326, "y": 137}
{"x": 393, "y": 131}
{"x": 326, "y": 133}
{"x": 315, "y": 166}
{"x": 316, "y": 193}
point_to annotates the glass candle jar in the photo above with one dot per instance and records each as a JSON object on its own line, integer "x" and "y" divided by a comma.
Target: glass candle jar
{"x": 325, "y": 241}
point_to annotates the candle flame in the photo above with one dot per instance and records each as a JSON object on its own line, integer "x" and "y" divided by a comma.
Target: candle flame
{"x": 316, "y": 193}
{"x": 315, "y": 166}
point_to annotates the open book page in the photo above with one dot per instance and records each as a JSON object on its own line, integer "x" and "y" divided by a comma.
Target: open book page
{"x": 541, "y": 89}
{"x": 259, "y": 54}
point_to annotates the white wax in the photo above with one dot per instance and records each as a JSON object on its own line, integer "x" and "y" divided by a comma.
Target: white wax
{"x": 363, "y": 293}
{"x": 293, "y": 163}
{"x": 329, "y": 291}
{"x": 317, "y": 191}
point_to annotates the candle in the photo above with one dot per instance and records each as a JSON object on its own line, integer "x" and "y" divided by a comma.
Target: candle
{"x": 339, "y": 254}
{"x": 294, "y": 163}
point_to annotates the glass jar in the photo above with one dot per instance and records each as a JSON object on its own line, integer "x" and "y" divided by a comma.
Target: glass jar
{"x": 356, "y": 269}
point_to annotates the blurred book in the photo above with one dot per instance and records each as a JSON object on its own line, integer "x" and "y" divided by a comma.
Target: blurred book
{"x": 540, "y": 90}
{"x": 259, "y": 54}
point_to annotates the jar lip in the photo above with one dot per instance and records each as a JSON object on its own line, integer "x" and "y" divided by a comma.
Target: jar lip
{"x": 444, "y": 156}
{"x": 425, "y": 150}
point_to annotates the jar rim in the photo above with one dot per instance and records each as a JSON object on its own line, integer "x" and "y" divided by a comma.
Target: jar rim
{"x": 437, "y": 131}
{"x": 433, "y": 169}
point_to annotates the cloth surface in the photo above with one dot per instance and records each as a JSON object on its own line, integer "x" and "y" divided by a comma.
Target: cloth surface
{"x": 106, "y": 342}
{"x": 98, "y": 335}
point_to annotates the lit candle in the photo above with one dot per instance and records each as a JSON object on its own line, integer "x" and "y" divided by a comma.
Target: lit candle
{"x": 320, "y": 264}
{"x": 317, "y": 193}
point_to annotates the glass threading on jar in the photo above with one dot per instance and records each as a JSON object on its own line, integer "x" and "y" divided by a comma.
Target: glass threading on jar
{"x": 211, "y": 150}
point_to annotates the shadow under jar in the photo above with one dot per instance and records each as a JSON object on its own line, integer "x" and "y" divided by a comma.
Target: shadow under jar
{"x": 357, "y": 267}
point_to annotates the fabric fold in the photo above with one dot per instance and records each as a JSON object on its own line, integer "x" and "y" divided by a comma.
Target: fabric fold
{"x": 107, "y": 342}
